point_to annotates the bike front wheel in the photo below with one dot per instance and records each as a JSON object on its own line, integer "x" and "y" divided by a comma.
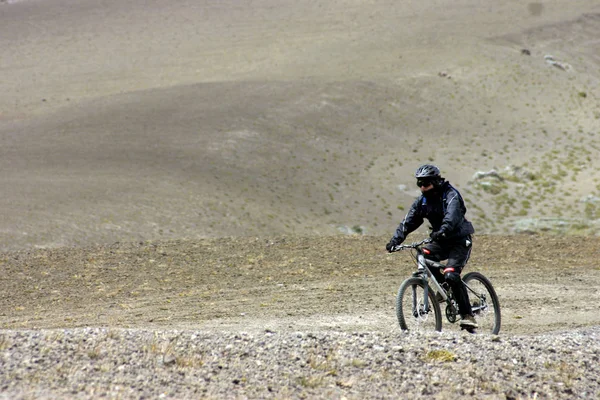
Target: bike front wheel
{"x": 413, "y": 311}
{"x": 484, "y": 302}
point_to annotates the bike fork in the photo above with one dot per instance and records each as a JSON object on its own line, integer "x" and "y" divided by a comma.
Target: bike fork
{"x": 415, "y": 302}
{"x": 426, "y": 307}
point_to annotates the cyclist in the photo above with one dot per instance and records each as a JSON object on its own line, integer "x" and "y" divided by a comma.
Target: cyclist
{"x": 444, "y": 208}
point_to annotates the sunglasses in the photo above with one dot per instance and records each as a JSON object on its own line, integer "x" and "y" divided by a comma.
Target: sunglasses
{"x": 424, "y": 182}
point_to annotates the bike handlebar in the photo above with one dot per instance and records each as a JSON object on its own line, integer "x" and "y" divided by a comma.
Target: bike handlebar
{"x": 411, "y": 246}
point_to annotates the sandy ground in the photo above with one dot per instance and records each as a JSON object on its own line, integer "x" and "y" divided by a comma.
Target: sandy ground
{"x": 333, "y": 283}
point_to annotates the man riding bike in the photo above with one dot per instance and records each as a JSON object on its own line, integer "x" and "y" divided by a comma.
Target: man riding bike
{"x": 444, "y": 208}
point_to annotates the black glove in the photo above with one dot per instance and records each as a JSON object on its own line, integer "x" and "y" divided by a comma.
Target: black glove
{"x": 438, "y": 236}
{"x": 393, "y": 243}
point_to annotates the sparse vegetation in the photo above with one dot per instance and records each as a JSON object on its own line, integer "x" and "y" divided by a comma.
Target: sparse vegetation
{"x": 440, "y": 355}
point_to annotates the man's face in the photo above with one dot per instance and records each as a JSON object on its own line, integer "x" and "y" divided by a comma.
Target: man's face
{"x": 425, "y": 184}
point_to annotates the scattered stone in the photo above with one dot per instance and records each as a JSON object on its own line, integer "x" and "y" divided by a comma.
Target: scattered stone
{"x": 489, "y": 174}
{"x": 560, "y": 65}
{"x": 92, "y": 363}
{"x": 590, "y": 198}
{"x": 518, "y": 173}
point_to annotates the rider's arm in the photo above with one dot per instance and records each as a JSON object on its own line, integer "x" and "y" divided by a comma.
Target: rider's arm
{"x": 411, "y": 221}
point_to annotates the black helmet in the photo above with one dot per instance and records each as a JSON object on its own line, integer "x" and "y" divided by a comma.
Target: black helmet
{"x": 428, "y": 171}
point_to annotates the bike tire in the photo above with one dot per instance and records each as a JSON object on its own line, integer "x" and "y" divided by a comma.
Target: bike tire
{"x": 410, "y": 309}
{"x": 488, "y": 317}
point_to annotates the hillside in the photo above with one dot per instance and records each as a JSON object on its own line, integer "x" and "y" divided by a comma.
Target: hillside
{"x": 152, "y": 120}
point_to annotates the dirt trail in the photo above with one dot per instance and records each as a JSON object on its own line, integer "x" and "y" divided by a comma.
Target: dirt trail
{"x": 284, "y": 283}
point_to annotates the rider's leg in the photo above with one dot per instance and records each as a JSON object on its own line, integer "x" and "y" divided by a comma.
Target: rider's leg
{"x": 436, "y": 252}
{"x": 452, "y": 276}
{"x": 458, "y": 256}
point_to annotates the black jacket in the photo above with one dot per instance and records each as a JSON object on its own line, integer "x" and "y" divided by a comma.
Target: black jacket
{"x": 445, "y": 212}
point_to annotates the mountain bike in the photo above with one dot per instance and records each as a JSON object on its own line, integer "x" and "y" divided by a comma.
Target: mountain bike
{"x": 419, "y": 297}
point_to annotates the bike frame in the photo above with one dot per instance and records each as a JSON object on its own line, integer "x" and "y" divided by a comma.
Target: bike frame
{"x": 423, "y": 265}
{"x": 424, "y": 270}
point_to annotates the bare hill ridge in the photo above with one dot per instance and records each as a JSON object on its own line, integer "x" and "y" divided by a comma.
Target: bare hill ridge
{"x": 139, "y": 121}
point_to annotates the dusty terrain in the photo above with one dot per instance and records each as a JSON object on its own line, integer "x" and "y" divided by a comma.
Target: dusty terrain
{"x": 284, "y": 283}
{"x": 289, "y": 317}
{"x": 287, "y": 283}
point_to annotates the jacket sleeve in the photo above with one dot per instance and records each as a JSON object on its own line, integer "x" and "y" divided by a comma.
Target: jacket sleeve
{"x": 411, "y": 221}
{"x": 455, "y": 214}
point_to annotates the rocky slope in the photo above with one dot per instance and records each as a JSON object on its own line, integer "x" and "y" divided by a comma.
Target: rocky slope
{"x": 129, "y": 364}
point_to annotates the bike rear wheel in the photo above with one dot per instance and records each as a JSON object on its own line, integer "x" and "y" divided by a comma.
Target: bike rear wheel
{"x": 412, "y": 312}
{"x": 484, "y": 302}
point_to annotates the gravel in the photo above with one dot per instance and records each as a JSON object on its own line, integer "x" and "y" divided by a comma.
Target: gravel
{"x": 87, "y": 363}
